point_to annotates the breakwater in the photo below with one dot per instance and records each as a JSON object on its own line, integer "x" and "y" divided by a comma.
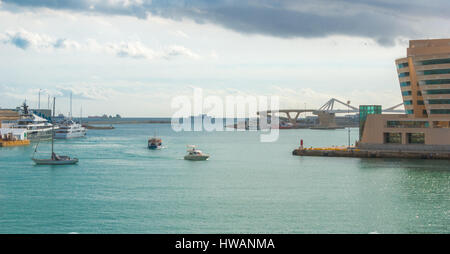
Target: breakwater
{"x": 358, "y": 153}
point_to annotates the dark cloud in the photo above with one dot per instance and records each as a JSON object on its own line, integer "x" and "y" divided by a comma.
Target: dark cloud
{"x": 381, "y": 20}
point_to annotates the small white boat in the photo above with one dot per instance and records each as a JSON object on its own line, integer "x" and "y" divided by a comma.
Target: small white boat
{"x": 194, "y": 154}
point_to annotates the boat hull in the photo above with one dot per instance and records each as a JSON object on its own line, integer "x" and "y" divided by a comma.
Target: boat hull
{"x": 196, "y": 158}
{"x": 55, "y": 162}
{"x": 34, "y": 136}
{"x": 70, "y": 135}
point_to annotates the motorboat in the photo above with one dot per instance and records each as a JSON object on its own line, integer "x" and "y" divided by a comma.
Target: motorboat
{"x": 194, "y": 154}
{"x": 154, "y": 143}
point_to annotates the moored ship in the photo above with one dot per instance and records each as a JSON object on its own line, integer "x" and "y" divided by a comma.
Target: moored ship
{"x": 70, "y": 129}
{"x": 35, "y": 127}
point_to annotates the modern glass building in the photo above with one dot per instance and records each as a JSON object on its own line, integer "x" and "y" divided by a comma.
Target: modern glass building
{"x": 424, "y": 77}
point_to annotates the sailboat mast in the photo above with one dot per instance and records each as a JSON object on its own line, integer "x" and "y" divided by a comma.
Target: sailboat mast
{"x": 53, "y": 133}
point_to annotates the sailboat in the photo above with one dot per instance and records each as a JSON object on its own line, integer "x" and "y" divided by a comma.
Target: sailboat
{"x": 54, "y": 159}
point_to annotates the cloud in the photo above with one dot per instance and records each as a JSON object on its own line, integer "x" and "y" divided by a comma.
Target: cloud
{"x": 138, "y": 50}
{"x": 135, "y": 49}
{"x": 24, "y": 39}
{"x": 380, "y": 20}
{"x": 130, "y": 49}
{"x": 85, "y": 91}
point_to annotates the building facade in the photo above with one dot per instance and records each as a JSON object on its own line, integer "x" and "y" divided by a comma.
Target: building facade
{"x": 8, "y": 115}
{"x": 424, "y": 77}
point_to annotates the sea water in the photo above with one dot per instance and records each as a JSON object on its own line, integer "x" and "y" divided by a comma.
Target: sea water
{"x": 120, "y": 186}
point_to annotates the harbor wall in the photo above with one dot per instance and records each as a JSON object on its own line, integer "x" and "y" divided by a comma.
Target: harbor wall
{"x": 356, "y": 153}
{"x": 402, "y": 147}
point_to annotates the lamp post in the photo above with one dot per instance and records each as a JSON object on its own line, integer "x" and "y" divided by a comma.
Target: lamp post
{"x": 39, "y": 99}
{"x": 305, "y": 111}
{"x": 348, "y": 113}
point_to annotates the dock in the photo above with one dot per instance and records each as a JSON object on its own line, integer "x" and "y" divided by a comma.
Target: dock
{"x": 91, "y": 127}
{"x": 354, "y": 152}
{"x": 8, "y": 143}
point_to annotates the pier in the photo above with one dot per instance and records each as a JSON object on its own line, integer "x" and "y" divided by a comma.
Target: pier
{"x": 360, "y": 153}
{"x": 7, "y": 143}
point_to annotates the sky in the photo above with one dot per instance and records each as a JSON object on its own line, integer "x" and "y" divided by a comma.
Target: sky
{"x": 132, "y": 57}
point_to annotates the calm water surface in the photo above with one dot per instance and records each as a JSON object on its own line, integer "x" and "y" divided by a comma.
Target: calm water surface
{"x": 119, "y": 186}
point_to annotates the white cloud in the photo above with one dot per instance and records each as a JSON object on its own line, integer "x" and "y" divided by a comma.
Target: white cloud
{"x": 137, "y": 49}
{"x": 65, "y": 43}
{"x": 134, "y": 49}
{"x": 176, "y": 50}
{"x": 24, "y": 39}
{"x": 130, "y": 49}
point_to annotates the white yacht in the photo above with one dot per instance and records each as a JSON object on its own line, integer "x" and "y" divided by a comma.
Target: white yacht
{"x": 69, "y": 129}
{"x": 35, "y": 127}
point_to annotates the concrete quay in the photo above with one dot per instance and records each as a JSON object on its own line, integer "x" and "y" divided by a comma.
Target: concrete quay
{"x": 359, "y": 153}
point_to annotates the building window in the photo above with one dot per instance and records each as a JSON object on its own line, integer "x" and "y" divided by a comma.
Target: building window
{"x": 438, "y": 91}
{"x": 420, "y": 102}
{"x": 419, "y": 93}
{"x": 439, "y": 111}
{"x": 439, "y": 101}
{"x": 408, "y": 102}
{"x": 406, "y": 93}
{"x": 415, "y": 138}
{"x": 407, "y": 124}
{"x": 433, "y": 72}
{"x": 402, "y": 65}
{"x": 392, "y": 138}
{"x": 425, "y": 112}
{"x": 403, "y": 74}
{"x": 407, "y": 83}
{"x": 434, "y": 82}
{"x": 441, "y": 124}
{"x": 434, "y": 61}
{"x": 410, "y": 111}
